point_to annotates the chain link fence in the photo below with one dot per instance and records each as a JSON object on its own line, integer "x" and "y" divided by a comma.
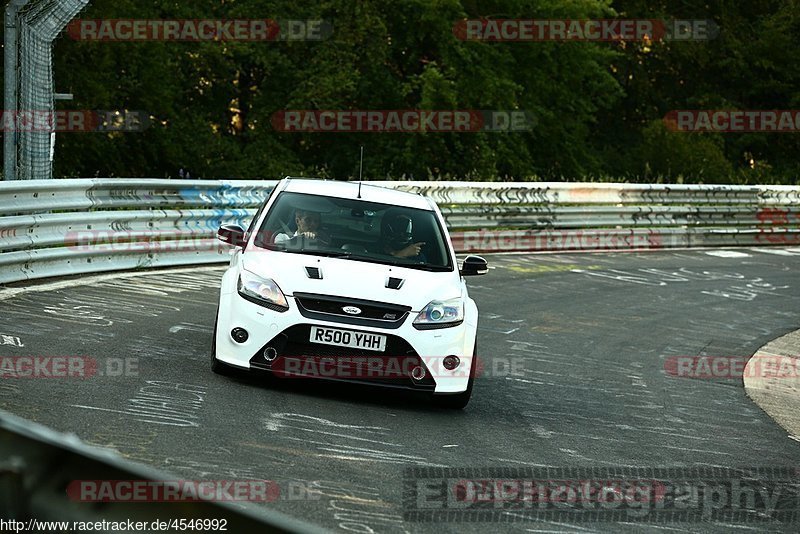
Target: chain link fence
{"x": 37, "y": 23}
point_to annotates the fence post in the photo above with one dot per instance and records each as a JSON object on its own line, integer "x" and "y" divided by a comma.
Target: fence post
{"x": 10, "y": 60}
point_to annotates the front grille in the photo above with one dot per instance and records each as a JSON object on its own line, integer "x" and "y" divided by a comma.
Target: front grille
{"x": 328, "y": 308}
{"x": 298, "y": 357}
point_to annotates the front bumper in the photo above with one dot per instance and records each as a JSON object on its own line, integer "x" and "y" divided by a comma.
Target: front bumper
{"x": 279, "y": 342}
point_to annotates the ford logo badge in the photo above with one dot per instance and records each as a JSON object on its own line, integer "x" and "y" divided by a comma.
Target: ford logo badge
{"x": 351, "y": 310}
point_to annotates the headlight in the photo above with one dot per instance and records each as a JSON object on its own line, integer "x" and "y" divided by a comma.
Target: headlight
{"x": 440, "y": 314}
{"x": 262, "y": 291}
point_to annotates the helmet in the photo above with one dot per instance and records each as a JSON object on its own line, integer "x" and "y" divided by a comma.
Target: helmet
{"x": 396, "y": 230}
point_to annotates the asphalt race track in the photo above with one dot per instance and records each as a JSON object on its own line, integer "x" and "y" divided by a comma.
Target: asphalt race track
{"x": 588, "y": 336}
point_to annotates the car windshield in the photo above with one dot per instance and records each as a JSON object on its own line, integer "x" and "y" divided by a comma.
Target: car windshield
{"x": 354, "y": 229}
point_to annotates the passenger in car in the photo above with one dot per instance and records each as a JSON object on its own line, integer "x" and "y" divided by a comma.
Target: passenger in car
{"x": 397, "y": 237}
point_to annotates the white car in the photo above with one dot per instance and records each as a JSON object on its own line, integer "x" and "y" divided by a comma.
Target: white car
{"x": 349, "y": 282}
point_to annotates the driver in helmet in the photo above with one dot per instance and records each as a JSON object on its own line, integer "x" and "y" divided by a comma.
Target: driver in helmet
{"x": 397, "y": 237}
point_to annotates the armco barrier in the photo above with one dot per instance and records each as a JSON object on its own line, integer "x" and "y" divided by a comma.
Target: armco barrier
{"x": 39, "y": 465}
{"x": 61, "y": 227}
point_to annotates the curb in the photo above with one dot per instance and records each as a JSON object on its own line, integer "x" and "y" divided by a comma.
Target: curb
{"x": 778, "y": 396}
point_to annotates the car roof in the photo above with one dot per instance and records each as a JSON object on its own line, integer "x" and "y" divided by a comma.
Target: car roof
{"x": 369, "y": 193}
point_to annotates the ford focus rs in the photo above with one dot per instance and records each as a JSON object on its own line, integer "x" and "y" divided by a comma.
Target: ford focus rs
{"x": 349, "y": 282}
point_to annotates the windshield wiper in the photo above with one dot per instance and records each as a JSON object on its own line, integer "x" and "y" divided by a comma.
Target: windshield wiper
{"x": 359, "y": 257}
{"x": 270, "y": 246}
{"x": 427, "y": 267}
{"x": 326, "y": 253}
{"x": 419, "y": 266}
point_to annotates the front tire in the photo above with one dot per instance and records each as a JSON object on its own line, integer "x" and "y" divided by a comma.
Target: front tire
{"x": 459, "y": 401}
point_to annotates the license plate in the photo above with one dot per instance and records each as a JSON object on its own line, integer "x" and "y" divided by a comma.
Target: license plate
{"x": 348, "y": 338}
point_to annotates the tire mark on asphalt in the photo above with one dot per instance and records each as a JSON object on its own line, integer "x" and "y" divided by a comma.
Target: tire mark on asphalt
{"x": 285, "y": 423}
{"x": 162, "y": 403}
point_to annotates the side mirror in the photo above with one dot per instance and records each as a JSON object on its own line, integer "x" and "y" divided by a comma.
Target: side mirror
{"x": 232, "y": 234}
{"x": 473, "y": 266}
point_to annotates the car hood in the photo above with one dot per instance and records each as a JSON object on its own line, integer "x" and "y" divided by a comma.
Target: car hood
{"x": 351, "y": 278}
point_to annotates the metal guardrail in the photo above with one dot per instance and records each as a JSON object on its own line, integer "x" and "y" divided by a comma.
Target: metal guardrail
{"x": 39, "y": 465}
{"x": 54, "y": 228}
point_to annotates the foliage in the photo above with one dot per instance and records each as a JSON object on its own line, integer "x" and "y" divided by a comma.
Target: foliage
{"x": 598, "y": 106}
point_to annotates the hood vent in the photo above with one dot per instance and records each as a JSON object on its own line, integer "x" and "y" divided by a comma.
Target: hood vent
{"x": 394, "y": 283}
{"x": 314, "y": 273}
